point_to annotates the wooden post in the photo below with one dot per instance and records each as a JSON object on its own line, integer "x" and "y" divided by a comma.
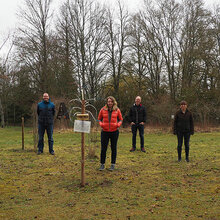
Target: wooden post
{"x": 22, "y": 126}
{"x": 83, "y": 147}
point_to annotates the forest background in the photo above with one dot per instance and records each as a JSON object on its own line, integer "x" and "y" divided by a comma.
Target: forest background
{"x": 166, "y": 52}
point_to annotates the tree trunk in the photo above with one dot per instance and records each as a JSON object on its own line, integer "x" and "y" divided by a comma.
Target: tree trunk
{"x": 2, "y": 115}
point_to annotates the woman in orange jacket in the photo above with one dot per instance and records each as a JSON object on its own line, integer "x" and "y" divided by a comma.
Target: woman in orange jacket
{"x": 110, "y": 119}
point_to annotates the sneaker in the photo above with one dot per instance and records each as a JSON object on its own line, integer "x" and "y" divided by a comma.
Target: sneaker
{"x": 102, "y": 167}
{"x": 39, "y": 152}
{"x": 52, "y": 153}
{"x": 143, "y": 150}
{"x": 112, "y": 167}
{"x": 132, "y": 149}
{"x": 179, "y": 160}
{"x": 187, "y": 160}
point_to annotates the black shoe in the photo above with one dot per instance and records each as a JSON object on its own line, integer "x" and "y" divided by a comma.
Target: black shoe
{"x": 179, "y": 160}
{"x": 39, "y": 152}
{"x": 143, "y": 150}
{"x": 132, "y": 149}
{"x": 187, "y": 160}
{"x": 52, "y": 153}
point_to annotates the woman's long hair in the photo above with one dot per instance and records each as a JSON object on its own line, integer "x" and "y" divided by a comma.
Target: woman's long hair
{"x": 115, "y": 107}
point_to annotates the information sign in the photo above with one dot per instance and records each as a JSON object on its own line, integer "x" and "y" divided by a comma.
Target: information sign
{"x": 82, "y": 126}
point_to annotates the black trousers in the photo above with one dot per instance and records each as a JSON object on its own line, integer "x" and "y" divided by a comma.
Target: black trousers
{"x": 180, "y": 137}
{"x": 134, "y": 129}
{"x": 105, "y": 137}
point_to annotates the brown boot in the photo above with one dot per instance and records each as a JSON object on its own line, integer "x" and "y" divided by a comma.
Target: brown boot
{"x": 143, "y": 150}
{"x": 132, "y": 149}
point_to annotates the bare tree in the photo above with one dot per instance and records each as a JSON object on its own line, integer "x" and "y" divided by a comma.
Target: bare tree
{"x": 164, "y": 22}
{"x": 33, "y": 41}
{"x": 146, "y": 54}
{"x": 1, "y": 106}
{"x": 117, "y": 32}
{"x": 136, "y": 55}
{"x": 216, "y": 49}
{"x": 4, "y": 78}
{"x": 88, "y": 39}
{"x": 62, "y": 61}
{"x": 194, "y": 41}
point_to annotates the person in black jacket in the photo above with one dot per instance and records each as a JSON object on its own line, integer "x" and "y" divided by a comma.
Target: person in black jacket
{"x": 137, "y": 116}
{"x": 45, "y": 112}
{"x": 183, "y": 127}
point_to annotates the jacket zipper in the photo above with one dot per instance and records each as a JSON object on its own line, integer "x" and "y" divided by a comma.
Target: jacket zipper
{"x": 110, "y": 122}
{"x": 110, "y": 119}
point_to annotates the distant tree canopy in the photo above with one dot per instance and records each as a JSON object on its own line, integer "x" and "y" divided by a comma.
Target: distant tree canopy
{"x": 168, "y": 51}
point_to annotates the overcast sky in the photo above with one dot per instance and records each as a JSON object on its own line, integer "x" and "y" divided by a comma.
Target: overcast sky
{"x": 8, "y": 9}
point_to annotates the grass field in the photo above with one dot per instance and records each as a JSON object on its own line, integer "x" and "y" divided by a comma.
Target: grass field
{"x": 151, "y": 185}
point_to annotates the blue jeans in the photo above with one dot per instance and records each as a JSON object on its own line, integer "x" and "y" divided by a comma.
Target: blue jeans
{"x": 134, "y": 129}
{"x": 41, "y": 131}
{"x": 180, "y": 137}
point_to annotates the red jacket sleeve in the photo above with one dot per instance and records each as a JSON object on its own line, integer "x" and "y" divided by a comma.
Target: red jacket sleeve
{"x": 100, "y": 117}
{"x": 120, "y": 118}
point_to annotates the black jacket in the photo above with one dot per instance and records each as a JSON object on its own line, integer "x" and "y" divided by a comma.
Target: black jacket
{"x": 183, "y": 122}
{"x": 137, "y": 114}
{"x": 46, "y": 112}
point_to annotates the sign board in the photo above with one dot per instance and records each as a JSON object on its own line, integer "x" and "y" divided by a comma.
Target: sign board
{"x": 82, "y": 117}
{"x": 82, "y": 126}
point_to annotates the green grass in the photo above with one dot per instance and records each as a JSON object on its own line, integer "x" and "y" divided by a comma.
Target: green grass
{"x": 150, "y": 185}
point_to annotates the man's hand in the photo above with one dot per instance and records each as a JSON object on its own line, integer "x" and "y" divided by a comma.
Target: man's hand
{"x": 142, "y": 123}
{"x": 132, "y": 123}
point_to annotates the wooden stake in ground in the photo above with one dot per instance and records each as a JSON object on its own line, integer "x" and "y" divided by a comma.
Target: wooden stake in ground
{"x": 22, "y": 131}
{"x": 83, "y": 146}
{"x": 81, "y": 126}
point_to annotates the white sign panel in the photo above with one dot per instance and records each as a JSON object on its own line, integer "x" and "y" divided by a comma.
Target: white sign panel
{"x": 82, "y": 126}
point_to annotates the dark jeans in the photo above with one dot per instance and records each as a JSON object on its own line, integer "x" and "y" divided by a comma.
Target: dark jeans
{"x": 41, "y": 131}
{"x": 105, "y": 137}
{"x": 180, "y": 137}
{"x": 134, "y": 129}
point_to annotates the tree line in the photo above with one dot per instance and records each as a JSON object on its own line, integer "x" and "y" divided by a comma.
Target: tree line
{"x": 166, "y": 52}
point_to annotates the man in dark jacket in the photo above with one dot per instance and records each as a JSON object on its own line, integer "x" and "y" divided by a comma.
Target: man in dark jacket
{"x": 183, "y": 127}
{"x": 137, "y": 117}
{"x": 45, "y": 112}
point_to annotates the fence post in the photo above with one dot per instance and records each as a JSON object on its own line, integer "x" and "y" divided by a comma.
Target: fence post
{"x": 22, "y": 126}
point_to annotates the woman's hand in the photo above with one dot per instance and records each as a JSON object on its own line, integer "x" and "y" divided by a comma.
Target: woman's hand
{"x": 101, "y": 124}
